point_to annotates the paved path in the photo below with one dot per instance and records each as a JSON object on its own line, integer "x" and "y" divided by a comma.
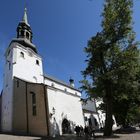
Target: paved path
{"x": 134, "y": 136}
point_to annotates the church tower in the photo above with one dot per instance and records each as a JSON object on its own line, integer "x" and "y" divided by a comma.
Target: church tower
{"x": 21, "y": 61}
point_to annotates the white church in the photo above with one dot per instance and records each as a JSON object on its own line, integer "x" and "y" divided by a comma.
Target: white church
{"x": 31, "y": 101}
{"x": 34, "y": 103}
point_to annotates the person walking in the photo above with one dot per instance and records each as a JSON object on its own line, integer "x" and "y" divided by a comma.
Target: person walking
{"x": 86, "y": 131}
{"x": 81, "y": 131}
{"x": 77, "y": 130}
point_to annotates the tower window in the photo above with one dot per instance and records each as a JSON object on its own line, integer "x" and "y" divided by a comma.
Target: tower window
{"x": 33, "y": 104}
{"x": 22, "y": 33}
{"x": 37, "y": 62}
{"x": 27, "y": 35}
{"x": 22, "y": 54}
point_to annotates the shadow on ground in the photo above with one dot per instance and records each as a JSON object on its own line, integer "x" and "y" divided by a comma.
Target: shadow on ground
{"x": 126, "y": 130}
{"x": 113, "y": 136}
{"x": 62, "y": 138}
{"x": 74, "y": 137}
{"x": 79, "y": 138}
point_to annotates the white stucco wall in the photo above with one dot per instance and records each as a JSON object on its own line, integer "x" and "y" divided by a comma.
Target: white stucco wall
{"x": 64, "y": 98}
{"x": 92, "y": 116}
{"x": 23, "y": 68}
{"x": 57, "y": 85}
{"x": 102, "y": 116}
{"x": 66, "y": 106}
{"x": 26, "y": 68}
{"x": 7, "y": 100}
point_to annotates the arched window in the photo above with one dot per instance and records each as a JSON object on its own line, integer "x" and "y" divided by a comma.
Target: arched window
{"x": 37, "y": 62}
{"x": 27, "y": 35}
{"x": 22, "y": 33}
{"x": 22, "y": 54}
{"x": 34, "y": 111}
{"x": 35, "y": 79}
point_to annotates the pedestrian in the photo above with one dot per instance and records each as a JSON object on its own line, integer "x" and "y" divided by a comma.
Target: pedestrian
{"x": 92, "y": 131}
{"x": 86, "y": 131}
{"x": 77, "y": 130}
{"x": 81, "y": 130}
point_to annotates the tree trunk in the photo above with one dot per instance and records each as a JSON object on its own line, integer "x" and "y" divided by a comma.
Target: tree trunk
{"x": 109, "y": 120}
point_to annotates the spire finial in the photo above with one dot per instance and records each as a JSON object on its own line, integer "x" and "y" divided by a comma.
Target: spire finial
{"x": 25, "y": 19}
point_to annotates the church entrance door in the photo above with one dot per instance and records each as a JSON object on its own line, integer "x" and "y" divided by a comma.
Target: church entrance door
{"x": 65, "y": 126}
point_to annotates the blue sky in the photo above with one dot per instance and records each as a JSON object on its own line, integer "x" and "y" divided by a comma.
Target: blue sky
{"x": 61, "y": 29}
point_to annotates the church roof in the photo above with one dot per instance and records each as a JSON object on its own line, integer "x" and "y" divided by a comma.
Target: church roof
{"x": 59, "y": 82}
{"x": 25, "y": 43}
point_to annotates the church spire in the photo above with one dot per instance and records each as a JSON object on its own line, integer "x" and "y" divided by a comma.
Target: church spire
{"x": 24, "y": 32}
{"x": 24, "y": 29}
{"x": 25, "y": 18}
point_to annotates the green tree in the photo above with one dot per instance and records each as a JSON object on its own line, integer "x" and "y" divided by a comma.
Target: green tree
{"x": 112, "y": 59}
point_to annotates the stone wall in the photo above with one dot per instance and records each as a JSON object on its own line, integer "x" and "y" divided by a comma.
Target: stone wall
{"x": 23, "y": 119}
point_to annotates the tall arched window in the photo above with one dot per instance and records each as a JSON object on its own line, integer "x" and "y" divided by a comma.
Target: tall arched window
{"x": 22, "y": 33}
{"x": 34, "y": 110}
{"x": 27, "y": 35}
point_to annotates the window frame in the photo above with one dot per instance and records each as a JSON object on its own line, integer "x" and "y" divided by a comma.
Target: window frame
{"x": 34, "y": 108}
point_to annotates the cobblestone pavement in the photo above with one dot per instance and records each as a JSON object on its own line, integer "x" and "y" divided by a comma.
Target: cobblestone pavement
{"x": 134, "y": 136}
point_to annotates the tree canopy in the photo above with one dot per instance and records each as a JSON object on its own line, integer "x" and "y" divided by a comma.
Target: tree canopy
{"x": 113, "y": 66}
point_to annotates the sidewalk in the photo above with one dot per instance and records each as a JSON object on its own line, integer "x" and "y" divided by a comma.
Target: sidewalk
{"x": 134, "y": 136}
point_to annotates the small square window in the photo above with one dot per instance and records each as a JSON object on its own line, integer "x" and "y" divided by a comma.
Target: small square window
{"x": 37, "y": 62}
